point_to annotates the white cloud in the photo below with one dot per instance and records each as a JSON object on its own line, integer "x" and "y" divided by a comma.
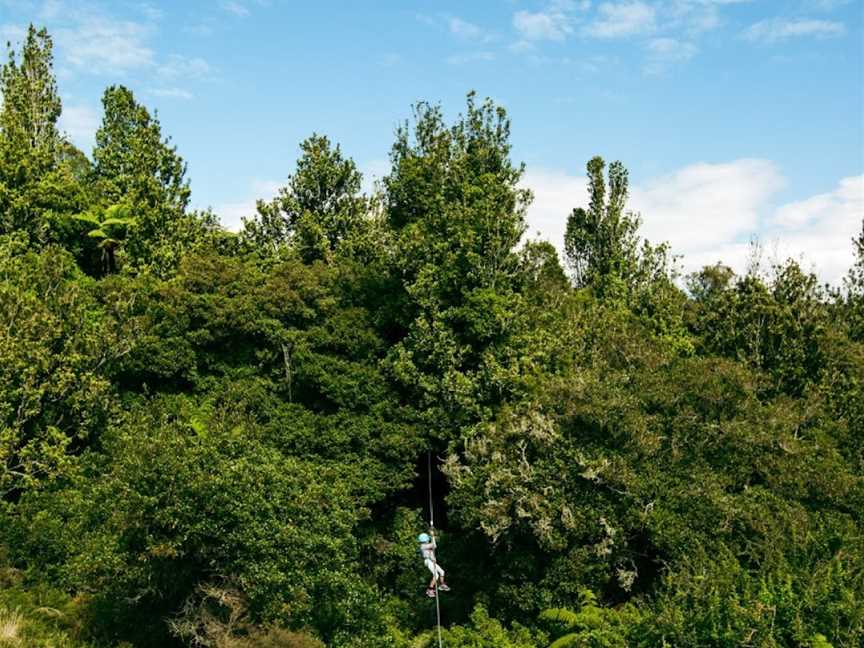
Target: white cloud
{"x": 467, "y": 31}
{"x": 692, "y": 17}
{"x": 828, "y": 5}
{"x": 236, "y": 8}
{"x": 670, "y": 48}
{"x": 778, "y": 29}
{"x": 556, "y": 194}
{"x": 80, "y": 123}
{"x": 100, "y": 44}
{"x": 821, "y": 228}
{"x": 231, "y": 214}
{"x": 620, "y": 19}
{"x": 177, "y": 66}
{"x": 703, "y": 206}
{"x": 549, "y": 25}
{"x": 663, "y": 52}
{"x": 471, "y": 57}
{"x": 172, "y": 93}
{"x": 150, "y": 11}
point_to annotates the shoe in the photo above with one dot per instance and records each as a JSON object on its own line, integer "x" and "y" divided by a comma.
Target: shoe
{"x": 444, "y": 588}
{"x": 430, "y": 593}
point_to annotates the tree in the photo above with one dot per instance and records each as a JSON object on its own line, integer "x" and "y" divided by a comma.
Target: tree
{"x": 602, "y": 241}
{"x": 854, "y": 285}
{"x": 37, "y": 173}
{"x": 109, "y": 228}
{"x": 709, "y": 282}
{"x": 56, "y": 347}
{"x": 457, "y": 213}
{"x": 205, "y": 501}
{"x": 31, "y": 105}
{"x": 134, "y": 165}
{"x": 319, "y": 208}
{"x": 779, "y": 327}
{"x": 592, "y": 625}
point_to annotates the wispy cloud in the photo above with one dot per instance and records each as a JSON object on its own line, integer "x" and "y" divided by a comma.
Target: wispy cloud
{"x": 100, "y": 44}
{"x": 172, "y": 93}
{"x": 619, "y": 19}
{"x": 468, "y": 31}
{"x": 181, "y": 67}
{"x": 90, "y": 39}
{"x": 665, "y": 52}
{"x": 779, "y": 29}
{"x": 235, "y": 8}
{"x": 828, "y": 5}
{"x": 554, "y": 25}
{"x": 151, "y": 12}
{"x": 470, "y": 57}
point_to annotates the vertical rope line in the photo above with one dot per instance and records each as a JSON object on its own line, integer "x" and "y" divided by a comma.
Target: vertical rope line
{"x": 429, "y": 481}
{"x": 437, "y": 608}
{"x": 434, "y": 559}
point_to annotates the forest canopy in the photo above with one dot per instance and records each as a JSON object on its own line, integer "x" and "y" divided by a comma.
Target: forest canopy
{"x": 217, "y": 438}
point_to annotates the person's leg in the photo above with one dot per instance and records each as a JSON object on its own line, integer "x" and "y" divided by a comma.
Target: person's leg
{"x": 441, "y": 584}
{"x": 430, "y": 565}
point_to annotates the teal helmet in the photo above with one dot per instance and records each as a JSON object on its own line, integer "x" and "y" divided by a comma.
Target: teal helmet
{"x": 423, "y": 537}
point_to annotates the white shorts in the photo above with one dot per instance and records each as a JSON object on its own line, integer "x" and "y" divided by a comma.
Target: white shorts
{"x": 434, "y": 567}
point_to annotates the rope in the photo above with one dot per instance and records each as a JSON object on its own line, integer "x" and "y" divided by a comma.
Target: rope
{"x": 434, "y": 560}
{"x": 429, "y": 481}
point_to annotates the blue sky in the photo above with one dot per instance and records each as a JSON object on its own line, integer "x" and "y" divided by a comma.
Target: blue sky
{"x": 736, "y": 118}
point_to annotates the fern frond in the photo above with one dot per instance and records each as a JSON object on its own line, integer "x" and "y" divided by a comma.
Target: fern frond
{"x": 118, "y": 221}
{"x": 568, "y": 641}
{"x": 566, "y": 617}
{"x": 87, "y": 218}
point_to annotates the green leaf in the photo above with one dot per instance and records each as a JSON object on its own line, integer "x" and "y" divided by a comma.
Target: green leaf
{"x": 118, "y": 221}
{"x": 87, "y": 218}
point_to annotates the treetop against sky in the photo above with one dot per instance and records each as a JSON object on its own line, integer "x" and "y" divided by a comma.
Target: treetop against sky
{"x": 736, "y": 118}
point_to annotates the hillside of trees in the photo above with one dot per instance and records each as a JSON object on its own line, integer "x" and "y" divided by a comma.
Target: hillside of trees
{"x": 220, "y": 439}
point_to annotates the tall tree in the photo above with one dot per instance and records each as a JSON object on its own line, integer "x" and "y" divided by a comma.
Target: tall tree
{"x": 457, "y": 213}
{"x": 320, "y": 207}
{"x": 602, "y": 241}
{"x": 31, "y": 105}
{"x": 135, "y": 165}
{"x": 37, "y": 171}
{"x": 854, "y": 284}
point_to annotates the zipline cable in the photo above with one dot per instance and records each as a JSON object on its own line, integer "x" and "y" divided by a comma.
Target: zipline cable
{"x": 429, "y": 481}
{"x": 434, "y": 559}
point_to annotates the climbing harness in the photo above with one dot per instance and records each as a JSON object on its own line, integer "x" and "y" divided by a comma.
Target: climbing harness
{"x": 434, "y": 559}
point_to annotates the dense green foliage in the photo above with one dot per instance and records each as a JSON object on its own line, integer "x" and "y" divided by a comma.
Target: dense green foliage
{"x": 219, "y": 439}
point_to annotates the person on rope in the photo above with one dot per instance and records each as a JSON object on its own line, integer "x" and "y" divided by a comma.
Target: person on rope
{"x": 427, "y": 552}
